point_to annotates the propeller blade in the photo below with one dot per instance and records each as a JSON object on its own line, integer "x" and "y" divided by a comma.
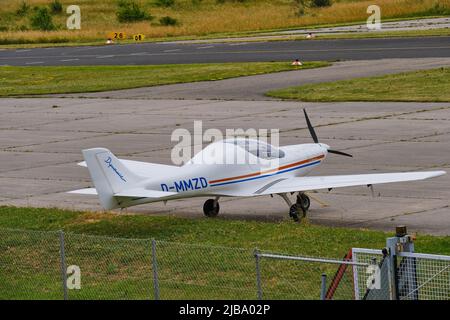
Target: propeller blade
{"x": 340, "y": 153}
{"x": 316, "y": 140}
{"x": 310, "y": 127}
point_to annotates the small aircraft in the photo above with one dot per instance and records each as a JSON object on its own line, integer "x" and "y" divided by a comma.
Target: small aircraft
{"x": 266, "y": 170}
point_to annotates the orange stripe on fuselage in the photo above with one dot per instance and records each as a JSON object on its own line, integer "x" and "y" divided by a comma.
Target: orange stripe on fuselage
{"x": 269, "y": 171}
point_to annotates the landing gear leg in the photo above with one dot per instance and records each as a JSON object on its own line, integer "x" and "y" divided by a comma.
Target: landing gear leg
{"x": 303, "y": 202}
{"x": 293, "y": 208}
{"x": 211, "y": 207}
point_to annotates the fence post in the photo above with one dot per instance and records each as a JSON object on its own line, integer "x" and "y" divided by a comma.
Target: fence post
{"x": 155, "y": 270}
{"x": 63, "y": 263}
{"x": 323, "y": 287}
{"x": 258, "y": 274}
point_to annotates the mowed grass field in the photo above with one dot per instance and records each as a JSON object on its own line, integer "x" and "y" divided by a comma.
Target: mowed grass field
{"x": 67, "y": 79}
{"x": 200, "y": 18}
{"x": 422, "y": 86}
{"x": 197, "y": 258}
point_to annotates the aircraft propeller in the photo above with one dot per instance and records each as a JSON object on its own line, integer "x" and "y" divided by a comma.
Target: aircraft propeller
{"x": 316, "y": 140}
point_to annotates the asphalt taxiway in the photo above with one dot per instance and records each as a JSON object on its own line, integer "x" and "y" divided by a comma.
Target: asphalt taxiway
{"x": 176, "y": 52}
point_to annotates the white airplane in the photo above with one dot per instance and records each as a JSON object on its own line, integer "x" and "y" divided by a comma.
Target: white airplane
{"x": 266, "y": 170}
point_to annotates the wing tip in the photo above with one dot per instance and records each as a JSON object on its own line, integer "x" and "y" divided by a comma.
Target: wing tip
{"x": 439, "y": 173}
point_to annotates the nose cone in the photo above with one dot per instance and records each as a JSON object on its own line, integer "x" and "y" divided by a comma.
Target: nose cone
{"x": 325, "y": 146}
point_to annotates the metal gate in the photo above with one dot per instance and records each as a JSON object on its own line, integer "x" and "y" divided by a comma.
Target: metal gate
{"x": 393, "y": 273}
{"x": 299, "y": 277}
{"x": 422, "y": 276}
{"x": 403, "y": 276}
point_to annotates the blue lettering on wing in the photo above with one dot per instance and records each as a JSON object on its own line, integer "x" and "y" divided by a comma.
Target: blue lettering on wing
{"x": 110, "y": 165}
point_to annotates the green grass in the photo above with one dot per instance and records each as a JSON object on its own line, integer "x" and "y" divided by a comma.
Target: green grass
{"x": 121, "y": 268}
{"x": 308, "y": 239}
{"x": 422, "y": 86}
{"x": 47, "y": 80}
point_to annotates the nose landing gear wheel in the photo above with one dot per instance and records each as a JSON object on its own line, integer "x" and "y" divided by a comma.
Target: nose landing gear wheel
{"x": 211, "y": 208}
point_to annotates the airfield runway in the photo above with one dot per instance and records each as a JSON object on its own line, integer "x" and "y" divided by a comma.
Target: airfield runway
{"x": 177, "y": 52}
{"x": 41, "y": 141}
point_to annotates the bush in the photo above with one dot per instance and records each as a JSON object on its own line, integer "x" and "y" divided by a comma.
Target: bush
{"x": 42, "y": 20}
{"x": 321, "y": 3}
{"x": 165, "y": 3}
{"x": 438, "y": 10}
{"x": 56, "y": 7}
{"x": 168, "y": 21}
{"x": 129, "y": 11}
{"x": 23, "y": 9}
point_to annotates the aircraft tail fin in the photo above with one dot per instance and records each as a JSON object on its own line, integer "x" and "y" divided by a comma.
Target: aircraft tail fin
{"x": 109, "y": 175}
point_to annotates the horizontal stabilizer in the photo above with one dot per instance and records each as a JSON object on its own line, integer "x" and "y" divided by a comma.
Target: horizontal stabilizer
{"x": 91, "y": 191}
{"x": 145, "y": 169}
{"x": 143, "y": 193}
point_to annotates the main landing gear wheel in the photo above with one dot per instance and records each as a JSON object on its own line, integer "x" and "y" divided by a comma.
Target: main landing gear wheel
{"x": 211, "y": 208}
{"x": 303, "y": 202}
{"x": 294, "y": 212}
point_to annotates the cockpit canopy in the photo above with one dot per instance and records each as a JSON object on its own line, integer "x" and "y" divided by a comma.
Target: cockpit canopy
{"x": 258, "y": 148}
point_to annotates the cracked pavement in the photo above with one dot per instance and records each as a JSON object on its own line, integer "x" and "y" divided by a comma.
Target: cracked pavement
{"x": 41, "y": 141}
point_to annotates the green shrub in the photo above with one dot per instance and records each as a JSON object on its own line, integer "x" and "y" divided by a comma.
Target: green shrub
{"x": 321, "y": 3}
{"x": 56, "y": 7}
{"x": 168, "y": 21}
{"x": 165, "y": 3}
{"x": 129, "y": 11}
{"x": 123, "y": 3}
{"x": 439, "y": 10}
{"x": 23, "y": 9}
{"x": 42, "y": 20}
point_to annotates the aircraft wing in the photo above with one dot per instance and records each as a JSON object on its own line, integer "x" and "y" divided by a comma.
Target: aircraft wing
{"x": 145, "y": 169}
{"x": 338, "y": 181}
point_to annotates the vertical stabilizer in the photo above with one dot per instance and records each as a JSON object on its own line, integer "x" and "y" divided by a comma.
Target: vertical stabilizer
{"x": 109, "y": 175}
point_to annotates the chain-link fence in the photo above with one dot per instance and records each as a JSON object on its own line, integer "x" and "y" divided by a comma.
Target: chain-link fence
{"x": 305, "y": 278}
{"x": 57, "y": 265}
{"x": 44, "y": 265}
{"x": 30, "y": 265}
